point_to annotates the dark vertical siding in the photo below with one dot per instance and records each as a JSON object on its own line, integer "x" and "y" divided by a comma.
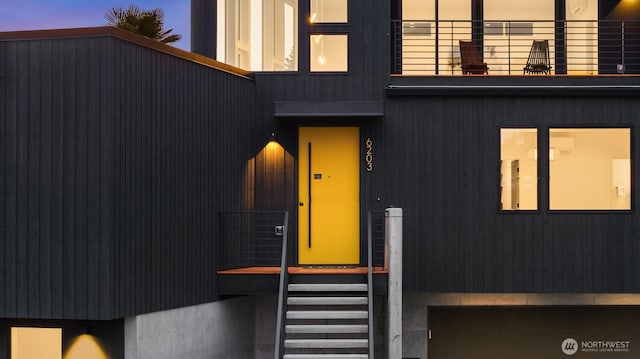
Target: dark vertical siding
{"x": 55, "y": 184}
{"x": 114, "y": 162}
{"x": 183, "y": 136}
{"x": 442, "y": 156}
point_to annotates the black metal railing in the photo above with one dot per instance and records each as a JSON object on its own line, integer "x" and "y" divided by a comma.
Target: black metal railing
{"x": 429, "y": 47}
{"x": 376, "y": 230}
{"x": 282, "y": 293}
{"x": 370, "y": 236}
{"x": 250, "y": 239}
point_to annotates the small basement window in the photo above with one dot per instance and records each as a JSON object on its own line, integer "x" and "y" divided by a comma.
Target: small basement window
{"x": 36, "y": 343}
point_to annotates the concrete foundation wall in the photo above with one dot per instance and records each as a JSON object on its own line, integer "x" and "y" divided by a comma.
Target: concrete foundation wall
{"x": 214, "y": 330}
{"x": 239, "y": 328}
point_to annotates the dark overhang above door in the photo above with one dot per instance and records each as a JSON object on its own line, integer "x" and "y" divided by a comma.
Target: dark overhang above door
{"x": 293, "y": 109}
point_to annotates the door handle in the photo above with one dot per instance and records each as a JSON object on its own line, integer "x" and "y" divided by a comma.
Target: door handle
{"x": 301, "y": 204}
{"x": 309, "y": 194}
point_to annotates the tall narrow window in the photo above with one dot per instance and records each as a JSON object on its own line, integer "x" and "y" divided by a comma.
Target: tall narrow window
{"x": 258, "y": 35}
{"x": 518, "y": 169}
{"x": 590, "y": 169}
{"x": 581, "y": 35}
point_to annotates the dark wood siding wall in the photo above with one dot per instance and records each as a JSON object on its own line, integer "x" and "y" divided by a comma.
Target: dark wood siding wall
{"x": 57, "y": 196}
{"x": 442, "y": 162}
{"x": 114, "y": 161}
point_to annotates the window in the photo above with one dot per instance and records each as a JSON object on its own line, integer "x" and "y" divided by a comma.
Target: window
{"x": 590, "y": 169}
{"x": 258, "y": 35}
{"x": 518, "y": 169}
{"x": 329, "y": 53}
{"x": 36, "y": 343}
{"x": 519, "y": 23}
{"x": 328, "y": 11}
{"x": 421, "y": 33}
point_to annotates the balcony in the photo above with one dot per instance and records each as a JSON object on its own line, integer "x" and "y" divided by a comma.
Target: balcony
{"x": 578, "y": 48}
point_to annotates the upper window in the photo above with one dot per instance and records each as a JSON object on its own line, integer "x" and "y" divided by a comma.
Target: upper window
{"x": 328, "y": 11}
{"x": 329, "y": 53}
{"x": 590, "y": 169}
{"x": 518, "y": 169}
{"x": 258, "y": 35}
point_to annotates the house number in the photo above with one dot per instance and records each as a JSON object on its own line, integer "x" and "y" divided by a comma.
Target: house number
{"x": 369, "y": 155}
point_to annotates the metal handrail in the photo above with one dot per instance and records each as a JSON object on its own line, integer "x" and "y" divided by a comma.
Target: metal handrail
{"x": 577, "y": 47}
{"x": 248, "y": 239}
{"x": 282, "y": 292}
{"x": 370, "y": 283}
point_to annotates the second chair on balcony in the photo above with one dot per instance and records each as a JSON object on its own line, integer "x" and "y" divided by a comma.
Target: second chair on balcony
{"x": 538, "y": 61}
{"x": 471, "y": 60}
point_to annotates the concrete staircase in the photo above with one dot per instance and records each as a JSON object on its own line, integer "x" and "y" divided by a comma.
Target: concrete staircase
{"x": 327, "y": 321}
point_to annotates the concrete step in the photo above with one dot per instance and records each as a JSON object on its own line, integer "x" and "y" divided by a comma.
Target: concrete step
{"x": 327, "y": 314}
{"x": 327, "y": 300}
{"x": 326, "y": 343}
{"x": 324, "y": 328}
{"x": 326, "y": 356}
{"x": 356, "y": 287}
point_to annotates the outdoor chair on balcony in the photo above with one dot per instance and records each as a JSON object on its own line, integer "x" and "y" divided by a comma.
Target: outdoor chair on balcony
{"x": 538, "y": 61}
{"x": 471, "y": 60}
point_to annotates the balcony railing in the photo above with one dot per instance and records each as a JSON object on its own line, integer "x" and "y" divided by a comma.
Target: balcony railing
{"x": 427, "y": 47}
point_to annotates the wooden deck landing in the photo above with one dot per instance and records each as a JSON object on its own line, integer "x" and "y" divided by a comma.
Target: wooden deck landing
{"x": 304, "y": 270}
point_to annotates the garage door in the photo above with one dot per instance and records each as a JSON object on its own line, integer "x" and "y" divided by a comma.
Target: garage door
{"x": 534, "y": 333}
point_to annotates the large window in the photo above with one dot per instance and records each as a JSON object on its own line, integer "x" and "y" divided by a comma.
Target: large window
{"x": 518, "y": 169}
{"x": 503, "y": 30}
{"x": 423, "y": 27}
{"x": 590, "y": 169}
{"x": 258, "y": 35}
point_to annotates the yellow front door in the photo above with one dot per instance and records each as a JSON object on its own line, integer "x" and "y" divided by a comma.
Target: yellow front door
{"x": 329, "y": 195}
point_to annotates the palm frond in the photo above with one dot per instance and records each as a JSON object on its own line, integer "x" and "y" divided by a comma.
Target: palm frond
{"x": 148, "y": 23}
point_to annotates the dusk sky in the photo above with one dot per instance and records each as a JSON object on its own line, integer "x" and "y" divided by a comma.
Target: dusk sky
{"x": 58, "y": 14}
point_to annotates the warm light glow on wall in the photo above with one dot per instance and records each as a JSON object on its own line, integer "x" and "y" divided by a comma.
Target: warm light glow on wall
{"x": 272, "y": 147}
{"x": 625, "y": 10}
{"x": 85, "y": 347}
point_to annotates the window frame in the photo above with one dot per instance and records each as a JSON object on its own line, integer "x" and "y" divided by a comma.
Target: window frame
{"x": 499, "y": 171}
{"x": 330, "y": 33}
{"x": 347, "y": 21}
{"x": 543, "y": 183}
{"x": 547, "y": 188}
